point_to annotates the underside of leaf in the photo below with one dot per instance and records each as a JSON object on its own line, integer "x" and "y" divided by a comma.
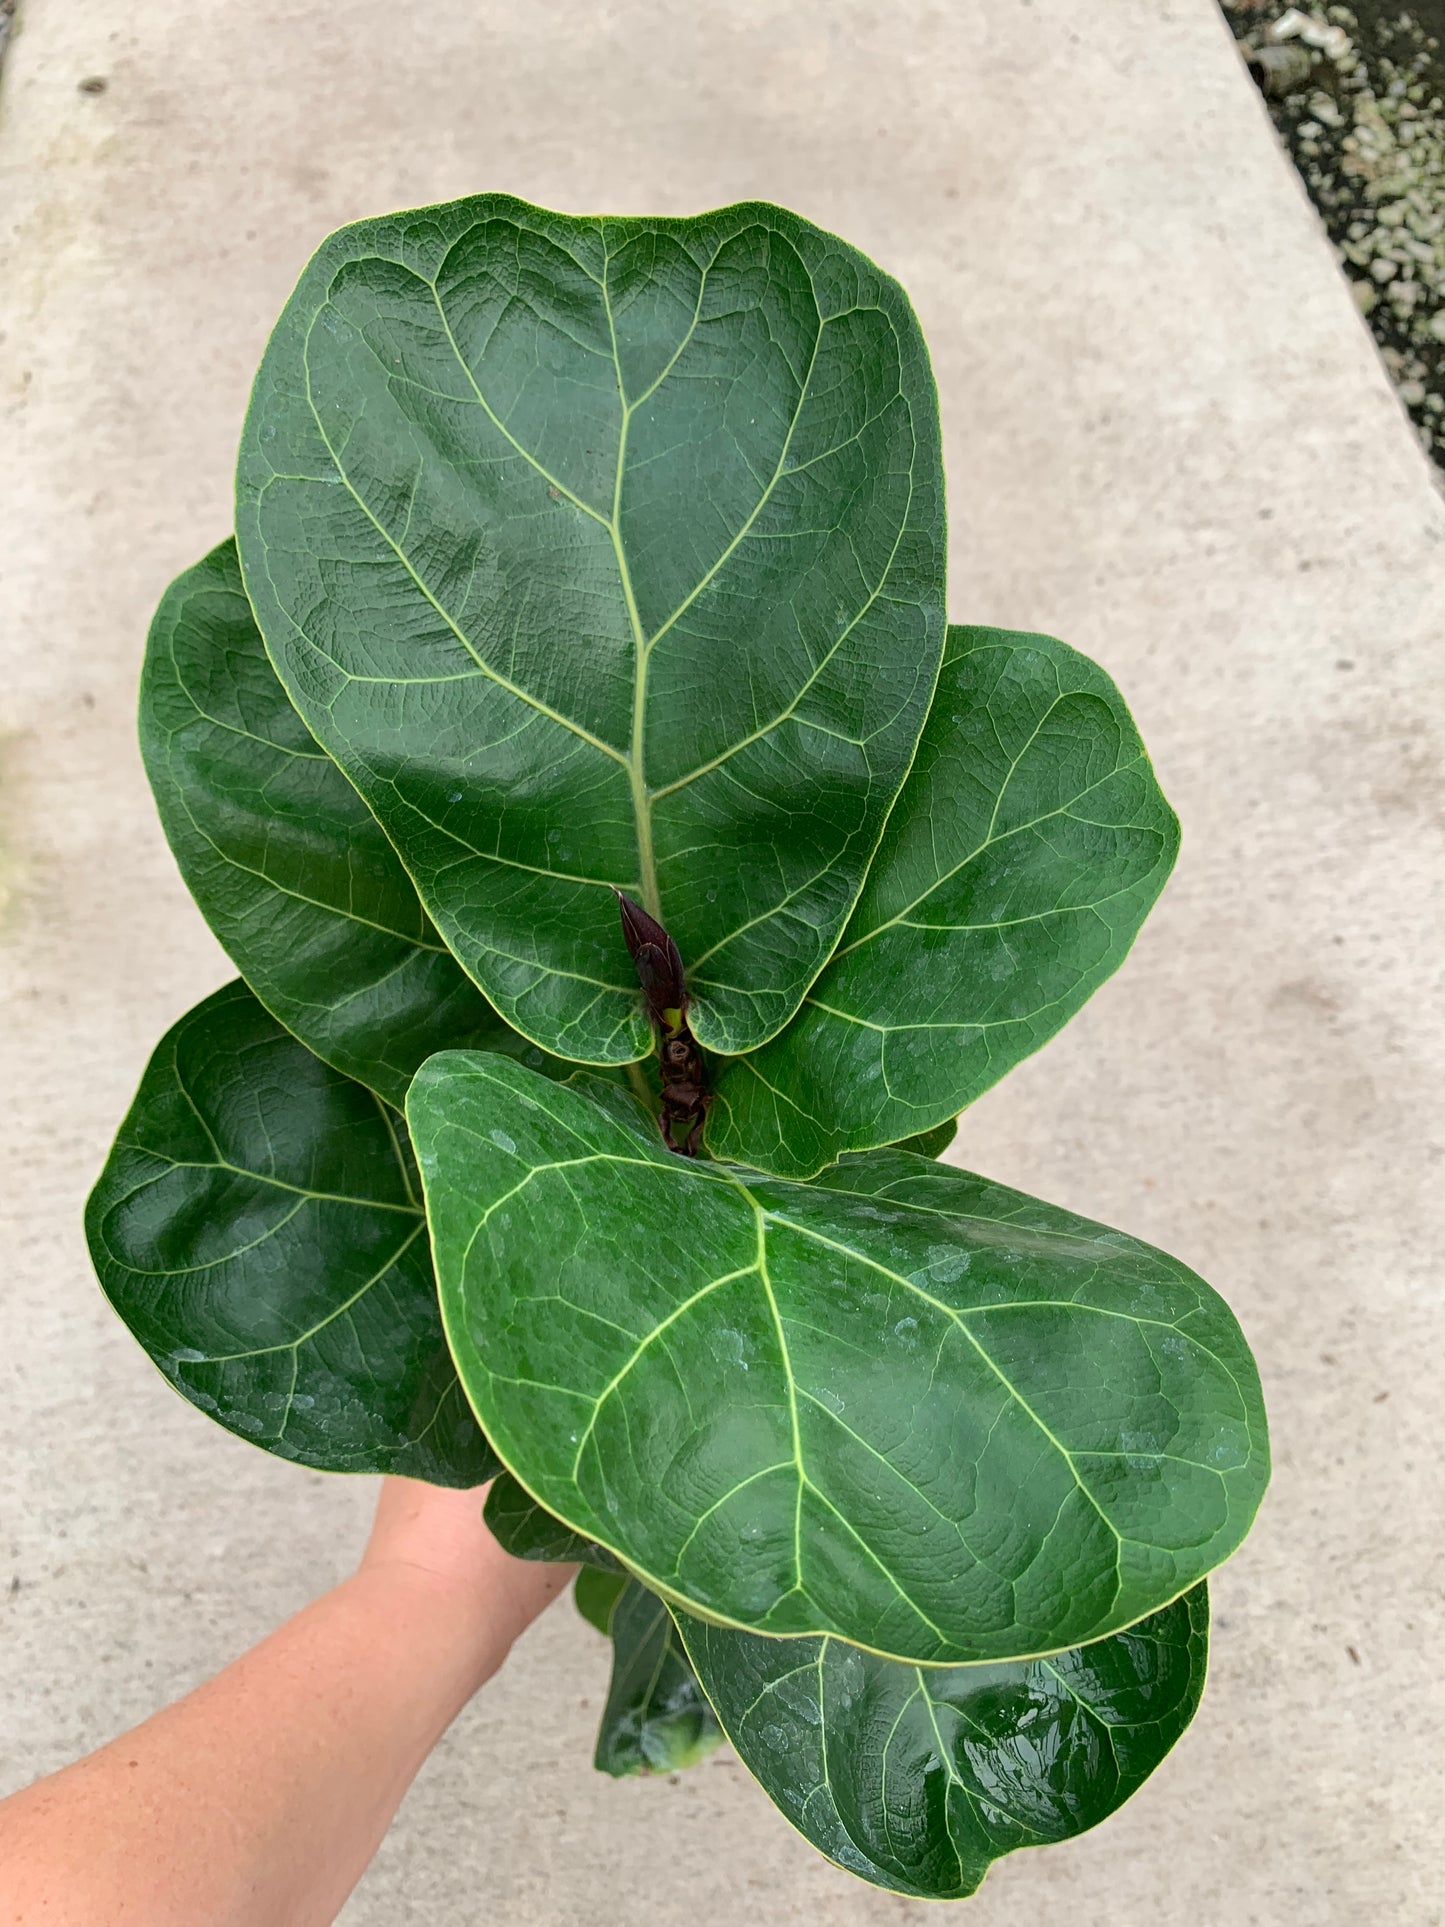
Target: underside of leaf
{"x": 657, "y": 1718}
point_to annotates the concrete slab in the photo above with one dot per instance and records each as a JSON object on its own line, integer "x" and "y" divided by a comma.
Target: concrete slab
{"x": 1169, "y": 441}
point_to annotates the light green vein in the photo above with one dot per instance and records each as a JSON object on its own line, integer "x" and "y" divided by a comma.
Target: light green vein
{"x": 339, "y": 1311}
{"x": 704, "y": 1291}
{"x": 636, "y": 777}
{"x": 987, "y": 842}
{"x": 493, "y": 675}
{"x": 939, "y": 1304}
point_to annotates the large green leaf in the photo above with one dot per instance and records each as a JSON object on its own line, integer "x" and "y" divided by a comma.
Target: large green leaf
{"x": 657, "y": 1718}
{"x": 918, "y": 1778}
{"x": 259, "y": 1227}
{"x": 606, "y": 552}
{"x": 902, "y": 1404}
{"x": 1020, "y": 860}
{"x": 287, "y": 864}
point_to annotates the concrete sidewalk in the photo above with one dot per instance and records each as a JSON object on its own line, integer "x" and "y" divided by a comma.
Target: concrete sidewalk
{"x": 1168, "y": 442}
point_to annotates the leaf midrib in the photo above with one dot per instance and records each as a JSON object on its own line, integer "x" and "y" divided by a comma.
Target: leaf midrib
{"x": 642, "y": 796}
{"x": 956, "y": 1317}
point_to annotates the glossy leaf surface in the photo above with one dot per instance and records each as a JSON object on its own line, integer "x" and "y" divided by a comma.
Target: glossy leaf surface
{"x": 1025, "y": 851}
{"x": 918, "y": 1778}
{"x": 606, "y": 552}
{"x": 287, "y": 864}
{"x": 258, "y": 1225}
{"x": 902, "y": 1404}
{"x": 657, "y": 1718}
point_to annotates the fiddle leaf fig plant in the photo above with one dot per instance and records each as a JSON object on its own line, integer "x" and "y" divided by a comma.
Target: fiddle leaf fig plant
{"x": 631, "y": 876}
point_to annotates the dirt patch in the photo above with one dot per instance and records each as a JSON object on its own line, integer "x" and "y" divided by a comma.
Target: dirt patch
{"x": 1358, "y": 96}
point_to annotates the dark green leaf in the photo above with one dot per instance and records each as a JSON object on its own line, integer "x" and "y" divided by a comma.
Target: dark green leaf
{"x": 258, "y": 1225}
{"x": 287, "y": 864}
{"x": 596, "y": 1593}
{"x": 528, "y": 1531}
{"x": 918, "y": 1778}
{"x": 1024, "y": 853}
{"x": 657, "y": 1718}
{"x": 606, "y": 552}
{"x": 930, "y": 1144}
{"x": 902, "y": 1404}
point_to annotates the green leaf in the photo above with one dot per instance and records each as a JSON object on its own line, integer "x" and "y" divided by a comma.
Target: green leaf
{"x": 596, "y": 1593}
{"x": 902, "y": 1404}
{"x": 287, "y": 864}
{"x": 258, "y": 1226}
{"x": 657, "y": 1718}
{"x": 606, "y": 552}
{"x": 919, "y": 1778}
{"x": 930, "y": 1144}
{"x": 1025, "y": 851}
{"x": 528, "y": 1531}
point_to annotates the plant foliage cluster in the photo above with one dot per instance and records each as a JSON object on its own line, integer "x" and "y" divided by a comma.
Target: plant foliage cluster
{"x": 586, "y": 556}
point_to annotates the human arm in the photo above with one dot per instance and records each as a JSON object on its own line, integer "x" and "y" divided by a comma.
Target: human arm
{"x": 259, "y": 1798}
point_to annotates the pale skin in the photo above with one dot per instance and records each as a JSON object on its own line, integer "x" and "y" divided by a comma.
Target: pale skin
{"x": 259, "y": 1799}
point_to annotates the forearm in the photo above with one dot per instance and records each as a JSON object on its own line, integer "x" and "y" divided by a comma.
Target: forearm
{"x": 258, "y": 1799}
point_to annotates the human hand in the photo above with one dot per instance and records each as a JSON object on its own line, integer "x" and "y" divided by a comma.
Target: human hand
{"x": 436, "y": 1539}
{"x": 262, "y": 1795}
